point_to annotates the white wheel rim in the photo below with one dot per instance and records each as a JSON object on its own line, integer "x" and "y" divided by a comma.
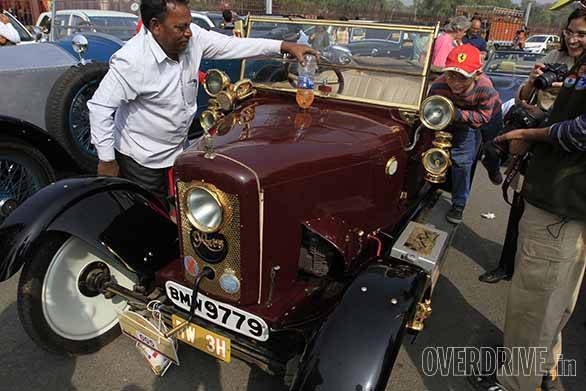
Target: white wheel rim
{"x": 68, "y": 312}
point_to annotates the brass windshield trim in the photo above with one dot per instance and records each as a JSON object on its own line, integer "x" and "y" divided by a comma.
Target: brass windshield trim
{"x": 413, "y": 107}
{"x": 339, "y": 23}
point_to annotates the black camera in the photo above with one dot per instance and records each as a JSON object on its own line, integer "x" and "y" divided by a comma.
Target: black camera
{"x": 551, "y": 73}
{"x": 518, "y": 117}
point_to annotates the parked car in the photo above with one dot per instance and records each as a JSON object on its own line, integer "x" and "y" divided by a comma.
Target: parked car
{"x": 25, "y": 35}
{"x": 509, "y": 69}
{"x": 307, "y": 242}
{"x": 122, "y": 25}
{"x": 208, "y": 19}
{"x": 541, "y": 43}
{"x": 43, "y": 117}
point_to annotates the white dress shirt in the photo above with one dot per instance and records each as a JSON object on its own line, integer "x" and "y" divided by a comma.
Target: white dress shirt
{"x": 8, "y": 31}
{"x": 146, "y": 102}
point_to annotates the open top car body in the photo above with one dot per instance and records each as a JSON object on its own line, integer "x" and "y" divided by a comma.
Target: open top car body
{"x": 311, "y": 236}
{"x": 509, "y": 69}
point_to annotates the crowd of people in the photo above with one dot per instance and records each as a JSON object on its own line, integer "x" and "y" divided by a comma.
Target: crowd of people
{"x": 550, "y": 228}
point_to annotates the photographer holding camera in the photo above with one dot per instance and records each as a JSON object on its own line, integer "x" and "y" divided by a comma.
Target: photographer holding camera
{"x": 551, "y": 259}
{"x": 567, "y": 56}
{"x": 541, "y": 89}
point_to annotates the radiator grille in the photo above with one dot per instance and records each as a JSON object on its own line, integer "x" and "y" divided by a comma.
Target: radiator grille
{"x": 230, "y": 228}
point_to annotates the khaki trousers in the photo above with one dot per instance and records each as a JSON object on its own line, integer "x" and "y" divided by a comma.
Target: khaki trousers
{"x": 549, "y": 268}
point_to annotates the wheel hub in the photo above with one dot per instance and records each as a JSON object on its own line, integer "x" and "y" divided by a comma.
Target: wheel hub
{"x": 7, "y": 206}
{"x": 92, "y": 279}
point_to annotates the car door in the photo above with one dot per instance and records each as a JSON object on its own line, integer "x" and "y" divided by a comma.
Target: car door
{"x": 61, "y": 25}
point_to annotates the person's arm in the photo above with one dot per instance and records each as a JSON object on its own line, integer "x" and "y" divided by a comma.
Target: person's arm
{"x": 8, "y": 31}
{"x": 480, "y": 116}
{"x": 117, "y": 88}
{"x": 222, "y": 47}
{"x": 528, "y": 87}
{"x": 570, "y": 135}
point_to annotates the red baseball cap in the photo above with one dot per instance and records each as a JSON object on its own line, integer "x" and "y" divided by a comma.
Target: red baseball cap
{"x": 464, "y": 59}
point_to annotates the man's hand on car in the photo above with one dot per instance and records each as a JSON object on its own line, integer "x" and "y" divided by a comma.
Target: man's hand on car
{"x": 108, "y": 168}
{"x": 4, "y": 19}
{"x": 298, "y": 50}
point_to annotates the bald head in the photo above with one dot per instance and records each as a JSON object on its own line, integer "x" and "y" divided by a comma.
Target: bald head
{"x": 475, "y": 27}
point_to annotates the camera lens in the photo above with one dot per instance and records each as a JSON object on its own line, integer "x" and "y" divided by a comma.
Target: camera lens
{"x": 545, "y": 81}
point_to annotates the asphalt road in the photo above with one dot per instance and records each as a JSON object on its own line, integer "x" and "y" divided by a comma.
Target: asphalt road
{"x": 465, "y": 313}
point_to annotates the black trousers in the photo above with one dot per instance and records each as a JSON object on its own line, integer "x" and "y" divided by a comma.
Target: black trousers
{"x": 488, "y": 132}
{"x": 507, "y": 261}
{"x": 153, "y": 179}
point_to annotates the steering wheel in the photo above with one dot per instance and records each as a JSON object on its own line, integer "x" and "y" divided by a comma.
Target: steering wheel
{"x": 275, "y": 73}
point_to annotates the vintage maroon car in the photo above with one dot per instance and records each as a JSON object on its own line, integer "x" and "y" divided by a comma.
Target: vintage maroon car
{"x": 307, "y": 242}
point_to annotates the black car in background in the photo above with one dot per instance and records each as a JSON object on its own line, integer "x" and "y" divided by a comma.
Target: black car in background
{"x": 509, "y": 69}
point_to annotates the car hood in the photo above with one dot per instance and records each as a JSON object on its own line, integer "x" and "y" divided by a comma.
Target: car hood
{"x": 34, "y": 57}
{"x": 281, "y": 142}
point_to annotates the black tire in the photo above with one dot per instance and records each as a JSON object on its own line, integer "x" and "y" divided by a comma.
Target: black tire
{"x": 68, "y": 95}
{"x": 21, "y": 164}
{"x": 30, "y": 304}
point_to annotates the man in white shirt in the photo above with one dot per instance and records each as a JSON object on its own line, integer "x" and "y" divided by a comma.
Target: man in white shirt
{"x": 141, "y": 112}
{"x": 8, "y": 34}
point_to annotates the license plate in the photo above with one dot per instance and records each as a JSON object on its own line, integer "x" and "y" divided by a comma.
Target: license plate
{"x": 203, "y": 339}
{"x": 145, "y": 332}
{"x": 219, "y": 313}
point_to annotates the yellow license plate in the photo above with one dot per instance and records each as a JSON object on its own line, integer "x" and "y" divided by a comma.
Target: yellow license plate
{"x": 203, "y": 339}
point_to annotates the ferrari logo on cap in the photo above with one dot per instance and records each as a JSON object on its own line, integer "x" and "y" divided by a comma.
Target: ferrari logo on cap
{"x": 462, "y": 57}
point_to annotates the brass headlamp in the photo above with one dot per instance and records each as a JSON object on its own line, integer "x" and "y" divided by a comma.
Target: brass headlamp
{"x": 238, "y": 91}
{"x": 215, "y": 82}
{"x": 209, "y": 118}
{"x": 225, "y": 95}
{"x": 436, "y": 160}
{"x": 437, "y": 112}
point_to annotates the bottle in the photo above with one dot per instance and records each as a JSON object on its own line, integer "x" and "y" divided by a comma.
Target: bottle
{"x": 304, "y": 96}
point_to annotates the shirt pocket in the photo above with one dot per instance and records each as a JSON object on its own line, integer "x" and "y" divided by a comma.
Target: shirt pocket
{"x": 190, "y": 91}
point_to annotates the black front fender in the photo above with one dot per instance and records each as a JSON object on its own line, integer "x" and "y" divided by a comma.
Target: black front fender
{"x": 119, "y": 218}
{"x": 357, "y": 345}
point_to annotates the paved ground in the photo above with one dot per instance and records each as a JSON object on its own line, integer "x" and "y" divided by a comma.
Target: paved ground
{"x": 465, "y": 313}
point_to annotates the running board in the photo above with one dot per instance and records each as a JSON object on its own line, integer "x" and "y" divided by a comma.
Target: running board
{"x": 425, "y": 240}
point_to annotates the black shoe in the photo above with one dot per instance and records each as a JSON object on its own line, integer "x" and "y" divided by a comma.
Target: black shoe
{"x": 494, "y": 173}
{"x": 455, "y": 214}
{"x": 494, "y": 276}
{"x": 550, "y": 384}
{"x": 495, "y": 177}
{"x": 485, "y": 383}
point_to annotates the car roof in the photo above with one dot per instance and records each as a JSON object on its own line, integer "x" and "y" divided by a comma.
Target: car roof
{"x": 90, "y": 13}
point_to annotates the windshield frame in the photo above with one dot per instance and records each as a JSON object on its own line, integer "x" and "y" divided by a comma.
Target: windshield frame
{"x": 432, "y": 31}
{"x": 496, "y": 56}
{"x": 23, "y": 33}
{"x": 124, "y": 33}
